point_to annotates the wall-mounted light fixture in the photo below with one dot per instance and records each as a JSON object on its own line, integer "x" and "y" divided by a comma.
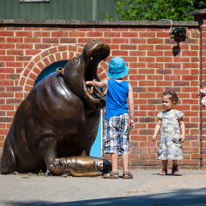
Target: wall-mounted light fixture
{"x": 178, "y": 32}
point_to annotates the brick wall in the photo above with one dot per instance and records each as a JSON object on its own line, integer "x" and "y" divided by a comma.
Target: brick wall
{"x": 156, "y": 61}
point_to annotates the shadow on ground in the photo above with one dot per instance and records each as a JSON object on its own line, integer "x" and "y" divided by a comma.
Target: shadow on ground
{"x": 186, "y": 197}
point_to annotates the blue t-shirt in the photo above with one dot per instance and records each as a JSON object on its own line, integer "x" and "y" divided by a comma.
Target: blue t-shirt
{"x": 116, "y": 98}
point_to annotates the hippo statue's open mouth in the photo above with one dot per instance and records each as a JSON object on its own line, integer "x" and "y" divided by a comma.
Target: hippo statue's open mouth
{"x": 94, "y": 52}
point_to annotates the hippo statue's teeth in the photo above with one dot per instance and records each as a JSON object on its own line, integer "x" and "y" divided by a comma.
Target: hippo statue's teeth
{"x": 98, "y": 92}
{"x": 91, "y": 58}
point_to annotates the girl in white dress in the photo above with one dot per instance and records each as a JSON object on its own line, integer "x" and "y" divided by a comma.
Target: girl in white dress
{"x": 170, "y": 124}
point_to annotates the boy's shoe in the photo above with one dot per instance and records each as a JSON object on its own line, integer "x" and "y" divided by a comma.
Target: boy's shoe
{"x": 174, "y": 169}
{"x": 111, "y": 175}
{"x": 163, "y": 172}
{"x": 127, "y": 175}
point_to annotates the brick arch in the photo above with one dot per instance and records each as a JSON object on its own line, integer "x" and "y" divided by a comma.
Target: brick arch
{"x": 49, "y": 56}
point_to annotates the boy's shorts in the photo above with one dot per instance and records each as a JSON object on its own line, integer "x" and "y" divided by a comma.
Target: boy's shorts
{"x": 115, "y": 139}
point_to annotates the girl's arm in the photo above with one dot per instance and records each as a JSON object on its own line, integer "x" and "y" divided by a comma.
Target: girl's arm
{"x": 182, "y": 127}
{"x": 131, "y": 106}
{"x": 98, "y": 84}
{"x": 157, "y": 128}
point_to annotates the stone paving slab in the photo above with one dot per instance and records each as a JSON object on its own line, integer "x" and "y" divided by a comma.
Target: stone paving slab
{"x": 147, "y": 188}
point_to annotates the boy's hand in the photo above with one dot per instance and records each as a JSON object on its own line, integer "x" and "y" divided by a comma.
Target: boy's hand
{"x": 154, "y": 138}
{"x": 131, "y": 123}
{"x": 88, "y": 82}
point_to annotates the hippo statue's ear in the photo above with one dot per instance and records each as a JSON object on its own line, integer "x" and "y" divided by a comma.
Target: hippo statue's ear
{"x": 60, "y": 70}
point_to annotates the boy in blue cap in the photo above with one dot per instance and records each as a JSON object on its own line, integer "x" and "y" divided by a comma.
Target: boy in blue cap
{"x": 117, "y": 118}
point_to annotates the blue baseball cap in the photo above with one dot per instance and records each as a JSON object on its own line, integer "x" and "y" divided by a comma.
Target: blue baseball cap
{"x": 117, "y": 68}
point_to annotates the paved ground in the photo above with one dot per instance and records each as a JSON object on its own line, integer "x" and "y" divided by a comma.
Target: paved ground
{"x": 147, "y": 188}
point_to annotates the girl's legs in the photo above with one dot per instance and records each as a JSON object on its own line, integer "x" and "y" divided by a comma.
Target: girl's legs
{"x": 164, "y": 167}
{"x": 174, "y": 167}
{"x": 164, "y": 164}
{"x": 174, "y": 162}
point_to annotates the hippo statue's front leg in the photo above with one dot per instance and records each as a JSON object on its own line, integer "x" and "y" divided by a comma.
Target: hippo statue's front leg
{"x": 80, "y": 166}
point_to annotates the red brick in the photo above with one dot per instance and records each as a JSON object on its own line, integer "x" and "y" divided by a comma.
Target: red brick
{"x": 146, "y": 59}
{"x": 129, "y": 34}
{"x": 59, "y": 34}
{"x": 190, "y": 53}
{"x": 154, "y": 53}
{"x": 42, "y": 46}
{"x": 41, "y": 34}
{"x": 32, "y": 40}
{"x": 95, "y": 34}
{"x": 23, "y": 58}
{"x": 145, "y": 47}
{"x": 189, "y": 77}
{"x": 15, "y": 40}
{"x": 146, "y": 71}
{"x": 162, "y": 34}
{"x": 68, "y": 40}
{"x": 164, "y": 83}
{"x": 119, "y": 53}
{"x": 6, "y": 33}
{"x": 190, "y": 65}
{"x": 164, "y": 59}
{"x": 147, "y": 144}
{"x": 120, "y": 41}
{"x": 155, "y": 65}
{"x": 48, "y": 40}
{"x": 148, "y": 156}
{"x": 155, "y": 41}
{"x": 154, "y": 77}
{"x": 128, "y": 47}
{"x": 24, "y": 46}
{"x": 163, "y": 47}
{"x": 24, "y": 34}
{"x": 138, "y": 41}
{"x": 172, "y": 77}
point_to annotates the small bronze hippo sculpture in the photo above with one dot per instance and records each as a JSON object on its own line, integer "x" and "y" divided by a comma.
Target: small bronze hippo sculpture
{"x": 58, "y": 119}
{"x": 79, "y": 166}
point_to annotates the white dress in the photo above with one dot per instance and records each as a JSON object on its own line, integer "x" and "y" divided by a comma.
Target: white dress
{"x": 170, "y": 147}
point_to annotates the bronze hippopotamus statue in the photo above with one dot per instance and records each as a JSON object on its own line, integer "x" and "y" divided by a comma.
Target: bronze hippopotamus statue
{"x": 59, "y": 119}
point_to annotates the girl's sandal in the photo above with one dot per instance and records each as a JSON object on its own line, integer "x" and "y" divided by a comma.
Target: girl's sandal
{"x": 111, "y": 175}
{"x": 174, "y": 169}
{"x": 127, "y": 175}
{"x": 163, "y": 172}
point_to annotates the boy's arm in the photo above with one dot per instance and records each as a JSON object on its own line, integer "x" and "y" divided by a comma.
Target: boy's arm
{"x": 98, "y": 84}
{"x": 182, "y": 126}
{"x": 131, "y": 106}
{"x": 157, "y": 128}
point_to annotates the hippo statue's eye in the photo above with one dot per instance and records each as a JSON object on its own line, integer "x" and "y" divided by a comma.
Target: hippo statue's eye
{"x": 74, "y": 60}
